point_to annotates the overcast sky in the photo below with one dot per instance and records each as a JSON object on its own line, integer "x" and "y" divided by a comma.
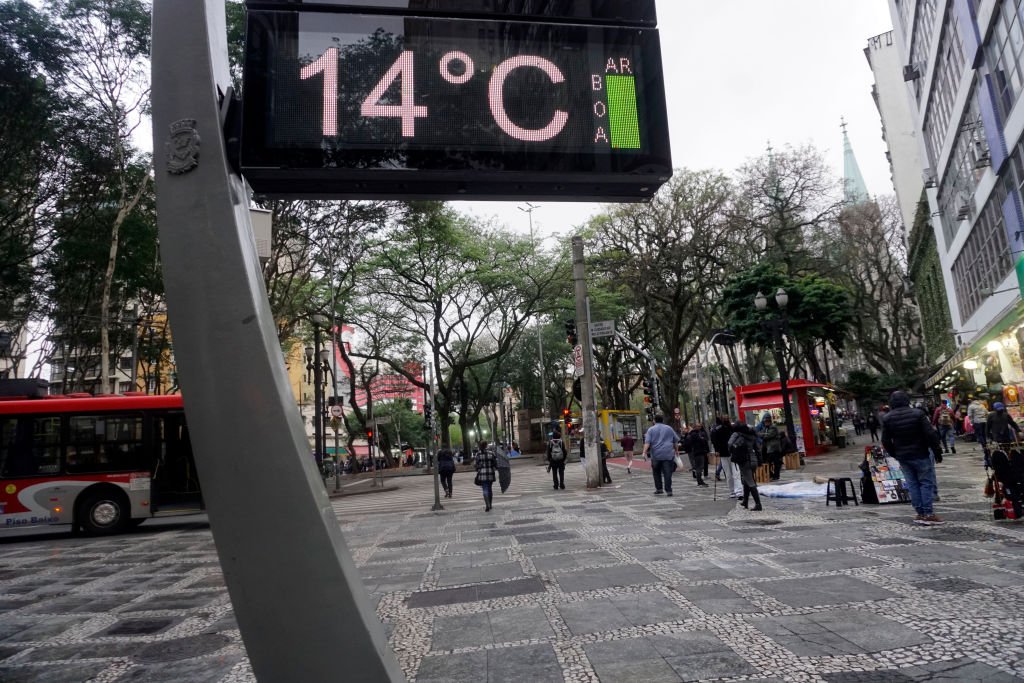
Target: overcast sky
{"x": 741, "y": 73}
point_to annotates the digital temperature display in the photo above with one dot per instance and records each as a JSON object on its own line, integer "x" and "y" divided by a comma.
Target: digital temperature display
{"x": 339, "y": 104}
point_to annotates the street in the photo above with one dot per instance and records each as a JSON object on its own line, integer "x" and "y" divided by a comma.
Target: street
{"x": 575, "y": 585}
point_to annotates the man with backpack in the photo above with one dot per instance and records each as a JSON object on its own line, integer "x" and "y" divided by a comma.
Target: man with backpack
{"x": 942, "y": 420}
{"x": 556, "y": 460}
{"x": 744, "y": 453}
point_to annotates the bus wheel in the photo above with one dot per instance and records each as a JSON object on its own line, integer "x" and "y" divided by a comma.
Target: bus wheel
{"x": 103, "y": 512}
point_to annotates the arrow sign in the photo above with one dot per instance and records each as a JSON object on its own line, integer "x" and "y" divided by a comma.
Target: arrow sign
{"x": 602, "y": 328}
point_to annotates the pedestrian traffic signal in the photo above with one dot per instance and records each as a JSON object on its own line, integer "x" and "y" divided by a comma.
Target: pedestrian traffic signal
{"x": 570, "y": 332}
{"x": 648, "y": 387}
{"x": 650, "y": 414}
{"x": 427, "y": 417}
{"x": 369, "y": 435}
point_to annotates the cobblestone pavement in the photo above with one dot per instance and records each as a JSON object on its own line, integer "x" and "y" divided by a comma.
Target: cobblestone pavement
{"x": 609, "y": 585}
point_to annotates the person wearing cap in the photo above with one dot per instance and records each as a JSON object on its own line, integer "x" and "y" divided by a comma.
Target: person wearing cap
{"x": 908, "y": 436}
{"x": 1000, "y": 424}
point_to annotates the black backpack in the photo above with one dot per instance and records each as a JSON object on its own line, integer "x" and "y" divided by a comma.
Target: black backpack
{"x": 557, "y": 450}
{"x": 739, "y": 451}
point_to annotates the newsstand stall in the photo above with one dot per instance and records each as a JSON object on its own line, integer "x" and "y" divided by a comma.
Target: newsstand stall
{"x": 809, "y": 401}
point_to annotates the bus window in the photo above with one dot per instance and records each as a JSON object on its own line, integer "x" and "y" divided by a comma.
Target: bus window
{"x": 105, "y": 443}
{"x": 29, "y": 446}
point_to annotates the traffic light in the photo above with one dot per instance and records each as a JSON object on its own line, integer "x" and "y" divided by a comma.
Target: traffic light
{"x": 648, "y": 387}
{"x": 369, "y": 435}
{"x": 570, "y": 332}
{"x": 650, "y": 414}
{"x": 566, "y": 414}
{"x": 427, "y": 417}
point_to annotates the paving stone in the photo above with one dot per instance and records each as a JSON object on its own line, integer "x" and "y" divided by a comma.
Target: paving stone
{"x": 204, "y": 670}
{"x": 74, "y": 672}
{"x": 633, "y": 660}
{"x": 460, "y": 631}
{"x": 460, "y": 668}
{"x": 25, "y": 629}
{"x": 487, "y": 572}
{"x": 84, "y": 650}
{"x": 604, "y": 577}
{"x": 137, "y": 627}
{"x": 825, "y": 590}
{"x": 962, "y": 669}
{"x": 520, "y": 623}
{"x": 451, "y": 596}
{"x": 181, "y": 648}
{"x": 534, "y": 663}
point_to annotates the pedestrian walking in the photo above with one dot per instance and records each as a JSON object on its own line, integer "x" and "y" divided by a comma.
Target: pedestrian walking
{"x": 628, "y": 442}
{"x": 698, "y": 448}
{"x": 977, "y": 413}
{"x": 720, "y": 434}
{"x": 446, "y": 469}
{"x": 661, "y": 443}
{"x": 486, "y": 473}
{"x": 872, "y": 425}
{"x": 556, "y": 460}
{"x": 771, "y": 443}
{"x": 908, "y": 436}
{"x": 504, "y": 467}
{"x": 744, "y": 452}
{"x": 942, "y": 420}
{"x": 606, "y": 476}
{"x": 1000, "y": 425}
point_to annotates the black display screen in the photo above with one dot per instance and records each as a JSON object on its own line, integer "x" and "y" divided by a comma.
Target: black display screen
{"x": 332, "y": 100}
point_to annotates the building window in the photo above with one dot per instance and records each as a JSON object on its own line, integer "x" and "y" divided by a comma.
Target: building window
{"x": 921, "y": 40}
{"x": 949, "y": 66}
{"x": 967, "y": 162}
{"x": 126, "y": 362}
{"x": 1004, "y": 51}
{"x": 985, "y": 259}
{"x": 123, "y": 387}
{"x": 904, "y": 7}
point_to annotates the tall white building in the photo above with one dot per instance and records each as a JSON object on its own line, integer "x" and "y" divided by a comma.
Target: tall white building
{"x": 963, "y": 68}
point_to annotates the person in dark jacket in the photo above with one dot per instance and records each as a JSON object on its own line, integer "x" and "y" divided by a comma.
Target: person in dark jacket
{"x": 720, "y": 434}
{"x": 557, "y": 455}
{"x": 744, "y": 451}
{"x": 1001, "y": 426}
{"x": 908, "y": 436}
{"x": 872, "y": 425}
{"x": 771, "y": 443}
{"x": 697, "y": 447}
{"x": 445, "y": 469}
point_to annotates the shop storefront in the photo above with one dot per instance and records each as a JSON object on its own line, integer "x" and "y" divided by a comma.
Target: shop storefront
{"x": 812, "y": 405}
{"x": 991, "y": 369}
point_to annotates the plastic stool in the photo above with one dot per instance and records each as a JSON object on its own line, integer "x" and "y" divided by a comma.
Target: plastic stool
{"x": 836, "y": 490}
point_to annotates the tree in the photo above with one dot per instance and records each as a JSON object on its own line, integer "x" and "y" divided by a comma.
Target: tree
{"x": 872, "y": 255}
{"x": 791, "y": 200}
{"x": 672, "y": 254}
{"x": 465, "y": 290}
{"x": 818, "y": 312}
{"x": 110, "y": 75}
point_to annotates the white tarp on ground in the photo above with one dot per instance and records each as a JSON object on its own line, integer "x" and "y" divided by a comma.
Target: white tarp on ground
{"x": 796, "y": 489}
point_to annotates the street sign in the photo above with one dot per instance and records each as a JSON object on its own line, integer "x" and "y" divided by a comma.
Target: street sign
{"x": 421, "y": 103}
{"x": 604, "y": 328}
{"x": 336, "y": 411}
{"x": 577, "y": 361}
{"x": 386, "y": 420}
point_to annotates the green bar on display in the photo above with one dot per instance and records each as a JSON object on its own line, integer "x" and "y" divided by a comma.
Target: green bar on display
{"x": 622, "y": 114}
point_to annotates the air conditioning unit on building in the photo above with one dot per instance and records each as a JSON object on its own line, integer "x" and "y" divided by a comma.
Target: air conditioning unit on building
{"x": 911, "y": 72}
{"x": 928, "y": 176}
{"x": 982, "y": 156}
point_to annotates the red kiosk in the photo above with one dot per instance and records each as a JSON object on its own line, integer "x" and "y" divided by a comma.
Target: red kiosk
{"x": 810, "y": 402}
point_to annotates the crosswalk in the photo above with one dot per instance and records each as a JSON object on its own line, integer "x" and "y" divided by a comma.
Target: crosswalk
{"x": 416, "y": 494}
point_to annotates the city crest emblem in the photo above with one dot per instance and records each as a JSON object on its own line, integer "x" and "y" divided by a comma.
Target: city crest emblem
{"x": 183, "y": 147}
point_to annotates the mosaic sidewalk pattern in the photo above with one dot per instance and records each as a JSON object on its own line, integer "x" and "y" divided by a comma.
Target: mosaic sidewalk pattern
{"x": 614, "y": 585}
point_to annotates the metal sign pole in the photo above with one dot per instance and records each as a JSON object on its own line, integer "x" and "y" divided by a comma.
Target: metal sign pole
{"x": 587, "y": 381}
{"x": 285, "y": 566}
{"x": 432, "y": 447}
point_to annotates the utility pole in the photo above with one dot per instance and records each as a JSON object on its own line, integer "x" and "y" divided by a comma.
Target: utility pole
{"x": 431, "y": 445}
{"x": 540, "y": 340}
{"x": 589, "y": 407}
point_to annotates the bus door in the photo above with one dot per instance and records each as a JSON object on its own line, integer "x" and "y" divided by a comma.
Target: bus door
{"x": 175, "y": 480}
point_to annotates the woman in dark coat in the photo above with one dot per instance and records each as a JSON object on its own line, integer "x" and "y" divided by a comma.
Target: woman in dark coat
{"x": 486, "y": 473}
{"x": 445, "y": 469}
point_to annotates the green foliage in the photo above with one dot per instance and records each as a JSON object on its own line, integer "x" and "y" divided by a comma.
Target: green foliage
{"x": 818, "y": 310}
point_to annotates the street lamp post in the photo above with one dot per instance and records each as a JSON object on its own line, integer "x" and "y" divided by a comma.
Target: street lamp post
{"x": 778, "y": 327}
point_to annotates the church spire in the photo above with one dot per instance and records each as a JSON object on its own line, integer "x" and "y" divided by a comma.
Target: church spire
{"x": 854, "y": 189}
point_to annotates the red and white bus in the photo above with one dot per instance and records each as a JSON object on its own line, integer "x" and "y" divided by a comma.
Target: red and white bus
{"x": 100, "y": 463}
